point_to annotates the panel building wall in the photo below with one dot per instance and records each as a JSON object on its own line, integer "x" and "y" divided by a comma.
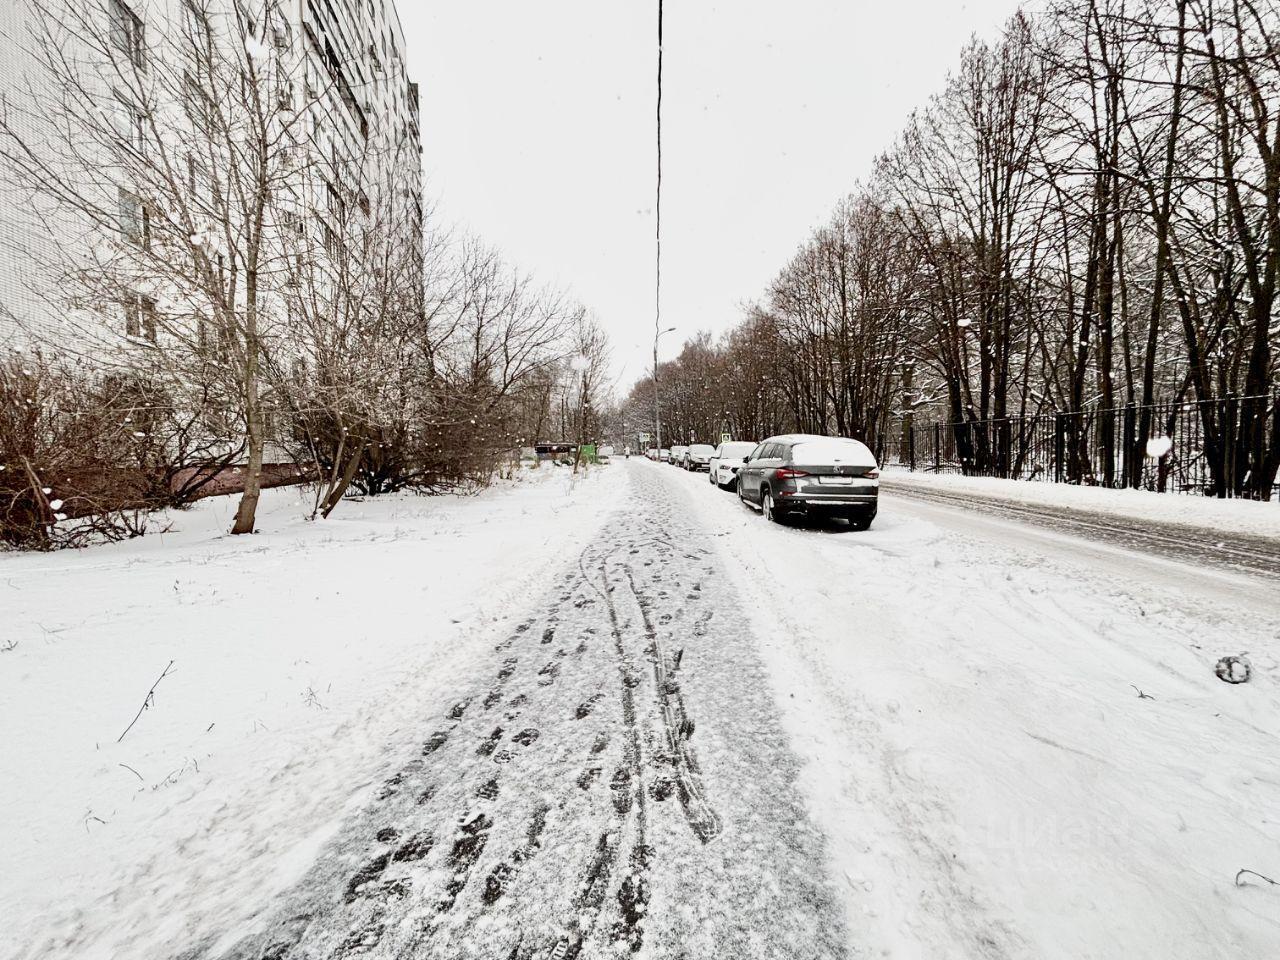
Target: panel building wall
{"x": 348, "y": 61}
{"x": 27, "y": 242}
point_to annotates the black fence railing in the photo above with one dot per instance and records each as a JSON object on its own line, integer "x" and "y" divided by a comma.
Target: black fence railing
{"x": 1226, "y": 448}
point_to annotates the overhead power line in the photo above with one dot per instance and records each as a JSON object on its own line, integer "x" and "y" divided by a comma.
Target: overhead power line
{"x": 657, "y": 316}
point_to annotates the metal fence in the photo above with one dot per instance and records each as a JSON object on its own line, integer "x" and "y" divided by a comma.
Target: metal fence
{"x": 1214, "y": 448}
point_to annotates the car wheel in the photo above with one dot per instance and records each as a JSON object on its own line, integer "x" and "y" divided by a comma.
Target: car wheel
{"x": 860, "y": 522}
{"x": 767, "y": 509}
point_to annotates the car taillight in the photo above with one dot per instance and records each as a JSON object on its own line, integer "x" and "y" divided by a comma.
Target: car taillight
{"x": 873, "y": 474}
{"x": 784, "y": 474}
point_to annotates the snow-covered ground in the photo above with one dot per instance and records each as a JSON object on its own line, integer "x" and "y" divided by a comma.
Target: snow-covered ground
{"x": 966, "y": 696}
{"x": 1206, "y": 513}
{"x": 298, "y": 653}
{"x": 466, "y": 727}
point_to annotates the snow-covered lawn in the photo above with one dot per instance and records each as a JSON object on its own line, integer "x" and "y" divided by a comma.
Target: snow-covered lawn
{"x": 1230, "y": 516}
{"x": 1013, "y": 739}
{"x": 977, "y": 749}
{"x": 297, "y": 654}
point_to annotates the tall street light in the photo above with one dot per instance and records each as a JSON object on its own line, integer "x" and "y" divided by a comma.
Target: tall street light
{"x": 657, "y": 420}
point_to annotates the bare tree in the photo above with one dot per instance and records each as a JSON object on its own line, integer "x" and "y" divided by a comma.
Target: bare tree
{"x": 590, "y": 367}
{"x": 1081, "y": 231}
{"x": 167, "y": 151}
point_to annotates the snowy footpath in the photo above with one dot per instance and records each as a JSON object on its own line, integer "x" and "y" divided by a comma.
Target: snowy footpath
{"x": 626, "y": 716}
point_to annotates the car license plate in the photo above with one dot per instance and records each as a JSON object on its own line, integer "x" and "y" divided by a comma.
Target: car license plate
{"x": 836, "y": 481}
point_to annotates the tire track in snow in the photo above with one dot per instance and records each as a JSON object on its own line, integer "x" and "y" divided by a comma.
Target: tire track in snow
{"x": 678, "y": 728}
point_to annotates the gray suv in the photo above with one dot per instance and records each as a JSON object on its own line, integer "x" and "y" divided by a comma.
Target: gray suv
{"x": 806, "y": 475}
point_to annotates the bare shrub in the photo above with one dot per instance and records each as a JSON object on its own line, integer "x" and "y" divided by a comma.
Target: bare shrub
{"x": 72, "y": 469}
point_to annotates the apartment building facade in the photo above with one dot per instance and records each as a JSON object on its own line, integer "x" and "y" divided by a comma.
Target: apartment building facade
{"x": 338, "y": 68}
{"x": 26, "y": 240}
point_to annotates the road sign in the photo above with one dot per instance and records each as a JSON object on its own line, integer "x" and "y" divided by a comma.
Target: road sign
{"x": 726, "y": 437}
{"x": 644, "y": 438}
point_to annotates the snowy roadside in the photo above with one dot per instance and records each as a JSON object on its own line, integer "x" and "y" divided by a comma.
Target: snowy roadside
{"x": 976, "y": 747}
{"x": 297, "y": 654}
{"x": 1202, "y": 513}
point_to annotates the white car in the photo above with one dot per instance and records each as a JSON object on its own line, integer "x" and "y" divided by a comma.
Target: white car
{"x": 724, "y": 466}
{"x": 698, "y": 456}
{"x": 664, "y": 455}
{"x": 677, "y": 455}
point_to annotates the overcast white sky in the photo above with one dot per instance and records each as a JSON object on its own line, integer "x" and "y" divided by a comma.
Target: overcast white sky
{"x": 538, "y": 135}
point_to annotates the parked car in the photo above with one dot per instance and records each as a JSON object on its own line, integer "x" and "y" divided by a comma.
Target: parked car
{"x": 722, "y": 470}
{"x": 604, "y": 454}
{"x": 803, "y": 474}
{"x": 651, "y": 454}
{"x": 698, "y": 456}
{"x": 664, "y": 455}
{"x": 677, "y": 455}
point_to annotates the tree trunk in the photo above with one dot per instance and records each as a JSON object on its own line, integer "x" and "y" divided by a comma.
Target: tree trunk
{"x": 246, "y": 512}
{"x": 338, "y": 490}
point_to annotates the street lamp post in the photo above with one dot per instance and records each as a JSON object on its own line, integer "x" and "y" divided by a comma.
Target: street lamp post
{"x": 657, "y": 420}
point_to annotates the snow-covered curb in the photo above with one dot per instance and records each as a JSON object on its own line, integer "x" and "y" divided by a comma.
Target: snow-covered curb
{"x": 1206, "y": 513}
{"x": 297, "y": 654}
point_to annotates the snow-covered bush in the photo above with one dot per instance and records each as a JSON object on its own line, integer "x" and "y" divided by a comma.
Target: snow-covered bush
{"x": 85, "y": 456}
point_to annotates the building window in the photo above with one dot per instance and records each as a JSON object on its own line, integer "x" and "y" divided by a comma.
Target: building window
{"x": 332, "y": 242}
{"x": 198, "y": 104}
{"x": 130, "y": 123}
{"x": 126, "y": 32}
{"x": 334, "y": 201}
{"x": 213, "y": 339}
{"x": 135, "y": 220}
{"x": 197, "y": 18}
{"x": 197, "y": 177}
{"x": 140, "y": 317}
{"x": 283, "y": 35}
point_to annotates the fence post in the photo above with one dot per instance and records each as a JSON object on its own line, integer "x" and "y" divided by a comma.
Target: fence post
{"x": 1130, "y": 442}
{"x": 1006, "y": 448}
{"x": 1231, "y": 431}
{"x": 911, "y": 445}
{"x": 1059, "y": 446}
{"x": 1275, "y": 431}
{"x": 937, "y": 447}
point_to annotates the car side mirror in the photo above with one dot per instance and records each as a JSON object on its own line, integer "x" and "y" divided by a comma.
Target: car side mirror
{"x": 746, "y": 459}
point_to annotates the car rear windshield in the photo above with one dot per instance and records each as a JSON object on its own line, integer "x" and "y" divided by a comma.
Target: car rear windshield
{"x": 847, "y": 452}
{"x": 736, "y": 449}
{"x": 703, "y": 449}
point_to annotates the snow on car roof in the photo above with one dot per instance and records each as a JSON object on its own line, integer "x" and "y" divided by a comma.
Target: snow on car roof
{"x": 842, "y": 449}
